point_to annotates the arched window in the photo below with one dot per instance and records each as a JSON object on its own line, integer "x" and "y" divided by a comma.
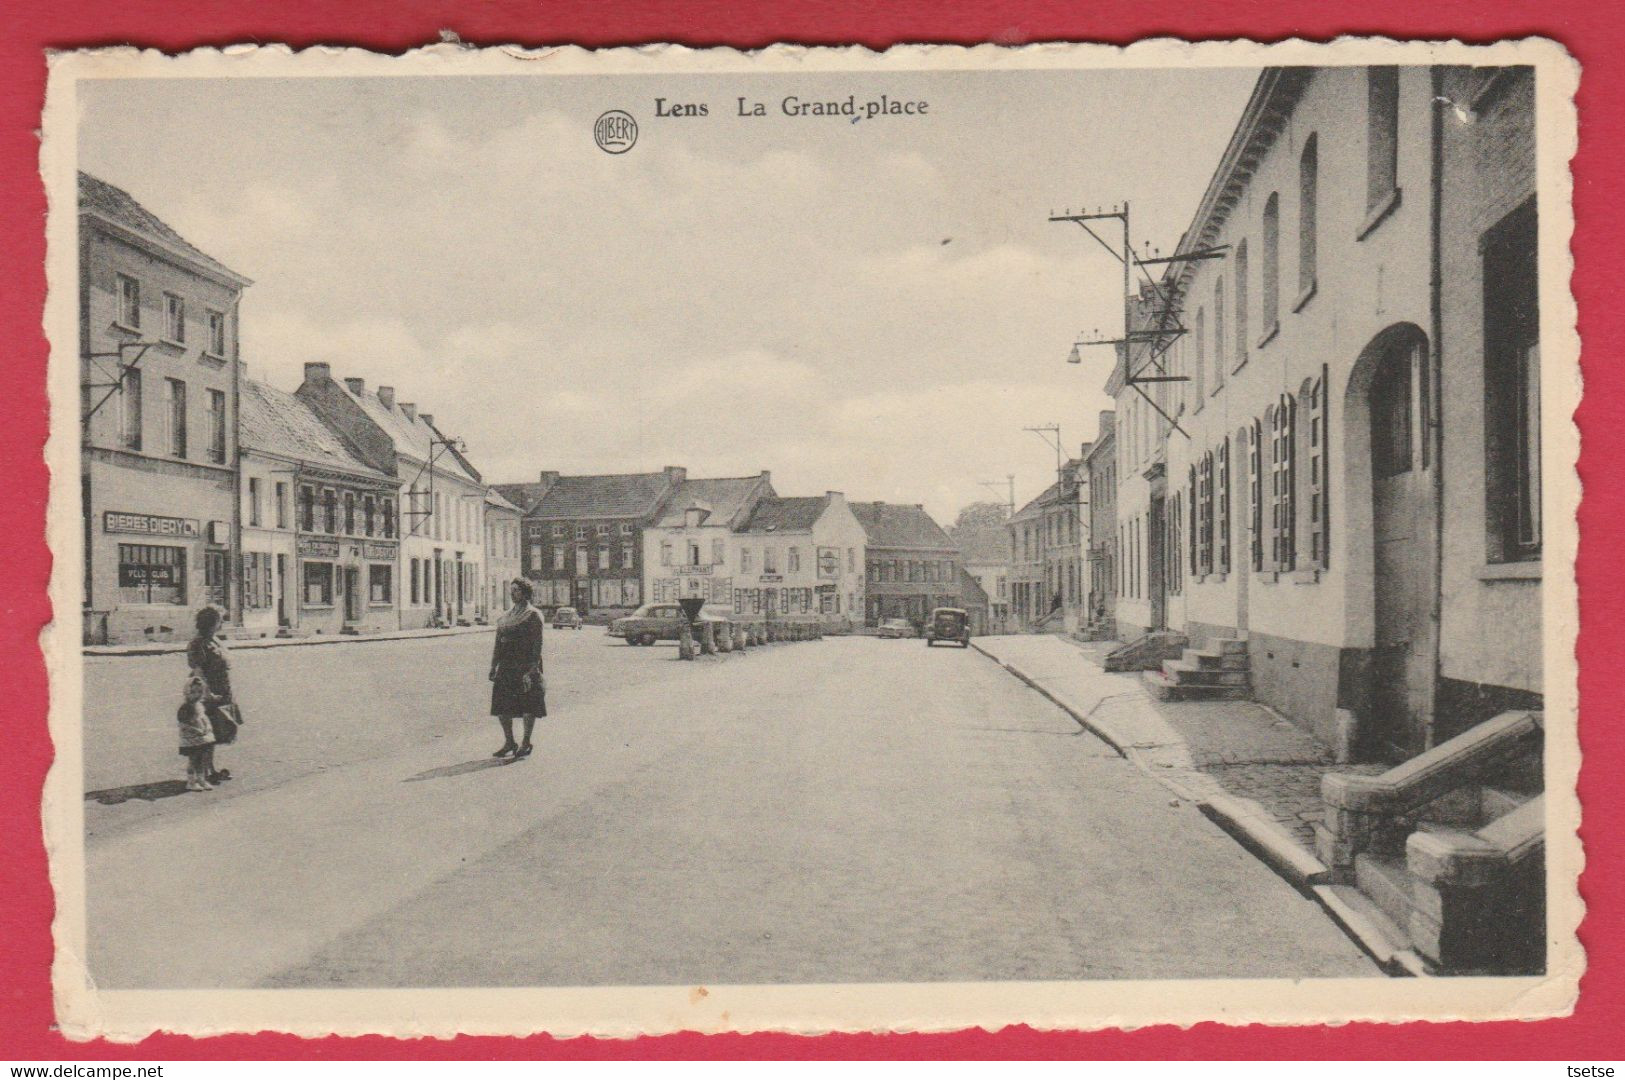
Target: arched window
{"x": 1308, "y": 196}
{"x": 1272, "y": 262}
{"x": 1241, "y": 305}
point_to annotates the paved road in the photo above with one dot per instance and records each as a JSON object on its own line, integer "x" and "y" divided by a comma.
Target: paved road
{"x": 845, "y": 810}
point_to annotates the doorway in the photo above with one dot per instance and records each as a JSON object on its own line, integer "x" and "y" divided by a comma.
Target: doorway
{"x": 1401, "y": 682}
{"x": 282, "y": 590}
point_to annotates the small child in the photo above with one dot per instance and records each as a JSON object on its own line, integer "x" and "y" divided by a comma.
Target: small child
{"x": 197, "y": 737}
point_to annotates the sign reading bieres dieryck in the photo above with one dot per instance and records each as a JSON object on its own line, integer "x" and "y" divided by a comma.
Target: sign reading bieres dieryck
{"x": 318, "y": 547}
{"x": 117, "y": 521}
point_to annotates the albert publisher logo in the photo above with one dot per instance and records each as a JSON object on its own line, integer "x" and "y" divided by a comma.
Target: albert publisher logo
{"x": 615, "y": 132}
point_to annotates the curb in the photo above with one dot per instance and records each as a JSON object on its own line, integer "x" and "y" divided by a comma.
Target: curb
{"x": 1254, "y": 829}
{"x": 168, "y": 648}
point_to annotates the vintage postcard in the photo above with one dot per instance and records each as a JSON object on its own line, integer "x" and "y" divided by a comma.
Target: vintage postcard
{"x": 812, "y": 540}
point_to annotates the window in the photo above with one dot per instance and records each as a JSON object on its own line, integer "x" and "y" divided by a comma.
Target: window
{"x": 1512, "y": 386}
{"x": 581, "y": 562}
{"x": 257, "y": 586}
{"x": 1272, "y": 263}
{"x": 558, "y": 558}
{"x": 718, "y": 556}
{"x": 1221, "y": 508}
{"x": 1240, "y": 314}
{"x": 558, "y": 532}
{"x": 770, "y": 560}
{"x": 1283, "y": 480}
{"x": 150, "y": 574}
{"x": 744, "y": 560}
{"x": 1204, "y": 540}
{"x": 1382, "y": 136}
{"x": 1196, "y": 520}
{"x": 1255, "y": 493}
{"x": 793, "y": 564}
{"x": 217, "y": 333}
{"x": 1308, "y": 208}
{"x": 665, "y": 553}
{"x": 253, "y": 500}
{"x": 388, "y": 514}
{"x": 380, "y": 589}
{"x": 626, "y": 528}
{"x": 176, "y": 391}
{"x": 330, "y": 511}
{"x": 627, "y": 556}
{"x": 1201, "y": 358}
{"x": 217, "y": 426}
{"x": 318, "y": 584}
{"x": 581, "y": 532}
{"x": 129, "y": 302}
{"x": 693, "y": 553}
{"x": 1319, "y": 479}
{"x": 603, "y": 557}
{"x": 851, "y": 560}
{"x": 307, "y": 508}
{"x": 130, "y": 410}
{"x": 368, "y": 510}
{"x": 415, "y": 593}
{"x": 281, "y": 505}
{"x": 603, "y": 530}
{"x": 1218, "y": 328}
{"x": 174, "y": 319}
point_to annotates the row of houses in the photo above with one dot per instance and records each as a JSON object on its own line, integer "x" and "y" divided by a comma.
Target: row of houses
{"x": 331, "y": 509}
{"x": 343, "y": 508}
{"x": 605, "y": 544}
{"x": 1341, "y": 461}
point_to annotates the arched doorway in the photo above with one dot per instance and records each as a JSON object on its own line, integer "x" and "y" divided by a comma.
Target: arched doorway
{"x": 1387, "y": 482}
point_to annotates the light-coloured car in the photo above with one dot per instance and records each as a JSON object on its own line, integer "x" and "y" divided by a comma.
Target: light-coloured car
{"x": 655, "y": 622}
{"x": 896, "y": 628}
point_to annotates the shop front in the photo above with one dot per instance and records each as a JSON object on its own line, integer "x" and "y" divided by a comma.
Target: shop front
{"x": 151, "y": 572}
{"x": 347, "y": 586}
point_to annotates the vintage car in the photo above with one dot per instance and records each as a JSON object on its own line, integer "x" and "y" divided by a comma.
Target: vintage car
{"x": 567, "y": 618}
{"x": 948, "y": 624}
{"x": 896, "y": 628}
{"x": 655, "y": 622}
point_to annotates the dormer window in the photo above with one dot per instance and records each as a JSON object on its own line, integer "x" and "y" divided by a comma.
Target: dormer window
{"x": 693, "y": 517}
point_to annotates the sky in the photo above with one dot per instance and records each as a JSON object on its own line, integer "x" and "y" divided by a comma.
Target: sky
{"x": 878, "y": 308}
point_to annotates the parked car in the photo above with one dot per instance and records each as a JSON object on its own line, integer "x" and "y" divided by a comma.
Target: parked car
{"x": 567, "y": 618}
{"x": 948, "y": 624}
{"x": 896, "y": 628}
{"x": 655, "y": 622}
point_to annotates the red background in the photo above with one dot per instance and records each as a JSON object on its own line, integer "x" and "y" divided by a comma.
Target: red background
{"x": 1591, "y": 30}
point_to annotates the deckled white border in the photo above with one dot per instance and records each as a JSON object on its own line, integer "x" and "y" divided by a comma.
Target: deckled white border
{"x": 84, "y": 1012}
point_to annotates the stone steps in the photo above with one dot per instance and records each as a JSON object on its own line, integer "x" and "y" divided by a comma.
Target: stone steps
{"x": 1217, "y": 673}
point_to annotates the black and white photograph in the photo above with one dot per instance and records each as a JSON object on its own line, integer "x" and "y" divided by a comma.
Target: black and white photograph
{"x": 813, "y": 539}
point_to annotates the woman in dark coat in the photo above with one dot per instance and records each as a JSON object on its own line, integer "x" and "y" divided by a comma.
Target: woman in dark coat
{"x": 206, "y": 655}
{"x": 517, "y": 687}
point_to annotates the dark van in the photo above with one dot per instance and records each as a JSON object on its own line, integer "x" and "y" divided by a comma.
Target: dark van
{"x": 948, "y": 624}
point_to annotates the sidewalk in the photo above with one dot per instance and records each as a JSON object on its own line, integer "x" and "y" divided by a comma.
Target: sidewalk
{"x": 1253, "y": 773}
{"x": 161, "y": 648}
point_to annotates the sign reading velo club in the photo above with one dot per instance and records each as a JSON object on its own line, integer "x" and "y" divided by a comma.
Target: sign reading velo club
{"x": 117, "y": 521}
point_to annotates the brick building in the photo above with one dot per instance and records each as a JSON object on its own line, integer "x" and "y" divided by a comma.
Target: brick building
{"x": 583, "y": 536}
{"x": 913, "y": 565}
{"x": 159, "y": 377}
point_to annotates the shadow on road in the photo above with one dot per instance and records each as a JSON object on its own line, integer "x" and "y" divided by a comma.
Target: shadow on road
{"x": 463, "y": 769}
{"x": 162, "y": 789}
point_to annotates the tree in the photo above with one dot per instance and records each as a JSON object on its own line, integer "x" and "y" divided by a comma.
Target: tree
{"x": 982, "y": 515}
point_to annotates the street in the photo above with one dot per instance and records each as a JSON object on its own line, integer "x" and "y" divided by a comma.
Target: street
{"x": 850, "y": 810}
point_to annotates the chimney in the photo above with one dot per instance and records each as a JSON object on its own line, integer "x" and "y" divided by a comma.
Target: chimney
{"x": 767, "y": 477}
{"x": 356, "y": 386}
{"x": 675, "y": 474}
{"x": 386, "y": 394}
{"x": 410, "y": 410}
{"x": 549, "y": 477}
{"x": 428, "y": 418}
{"x": 317, "y": 371}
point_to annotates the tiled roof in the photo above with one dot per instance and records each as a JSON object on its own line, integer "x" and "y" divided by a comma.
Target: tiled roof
{"x": 775, "y": 515}
{"x": 890, "y": 525}
{"x": 990, "y": 544}
{"x": 725, "y": 498}
{"x": 622, "y": 495}
{"x": 494, "y": 498}
{"x": 412, "y": 435}
{"x": 116, "y": 204}
{"x": 1034, "y": 508}
{"x": 279, "y": 423}
{"x": 523, "y": 496}
{"x": 970, "y": 590}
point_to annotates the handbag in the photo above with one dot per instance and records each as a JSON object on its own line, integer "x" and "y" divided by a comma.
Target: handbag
{"x": 225, "y": 720}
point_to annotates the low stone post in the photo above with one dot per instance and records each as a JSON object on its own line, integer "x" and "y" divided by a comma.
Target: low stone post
{"x": 708, "y": 637}
{"x": 725, "y": 643}
{"x": 685, "y": 642}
